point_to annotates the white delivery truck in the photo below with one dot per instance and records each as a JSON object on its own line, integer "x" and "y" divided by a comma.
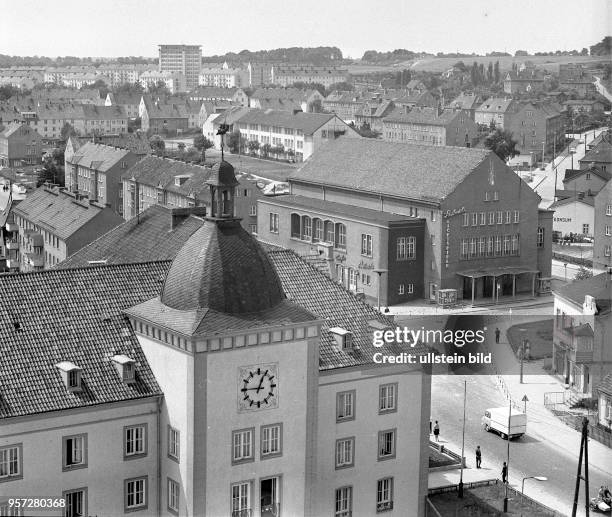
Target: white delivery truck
{"x": 496, "y": 419}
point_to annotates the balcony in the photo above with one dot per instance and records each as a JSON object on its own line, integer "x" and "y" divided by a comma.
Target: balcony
{"x": 35, "y": 260}
{"x": 12, "y": 227}
{"x": 12, "y": 264}
{"x": 13, "y": 244}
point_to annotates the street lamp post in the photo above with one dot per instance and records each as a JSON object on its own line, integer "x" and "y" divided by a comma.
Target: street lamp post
{"x": 565, "y": 266}
{"x": 460, "y": 491}
{"x": 379, "y": 272}
{"x": 523, "y": 341}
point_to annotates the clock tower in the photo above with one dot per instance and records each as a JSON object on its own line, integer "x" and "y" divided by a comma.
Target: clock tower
{"x": 238, "y": 363}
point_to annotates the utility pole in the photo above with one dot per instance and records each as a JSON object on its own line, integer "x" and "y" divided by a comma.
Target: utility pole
{"x": 508, "y": 459}
{"x": 584, "y": 448}
{"x": 462, "y": 441}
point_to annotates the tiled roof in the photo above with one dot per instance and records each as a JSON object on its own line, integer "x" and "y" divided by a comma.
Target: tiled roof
{"x": 572, "y": 174}
{"x": 495, "y": 105}
{"x": 307, "y": 122}
{"x": 125, "y": 98}
{"x": 10, "y": 129}
{"x": 465, "y": 102}
{"x": 214, "y": 92}
{"x": 150, "y": 237}
{"x": 60, "y": 213}
{"x": 587, "y": 200}
{"x": 92, "y": 112}
{"x": 71, "y": 315}
{"x": 341, "y": 209}
{"x": 605, "y": 385}
{"x": 103, "y": 156}
{"x": 397, "y": 169}
{"x": 295, "y": 94}
{"x": 427, "y": 117}
{"x": 138, "y": 143}
{"x": 598, "y": 286}
{"x": 602, "y": 152}
{"x": 279, "y": 104}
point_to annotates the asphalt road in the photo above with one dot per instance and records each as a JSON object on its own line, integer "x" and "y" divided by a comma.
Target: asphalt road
{"x": 530, "y": 455}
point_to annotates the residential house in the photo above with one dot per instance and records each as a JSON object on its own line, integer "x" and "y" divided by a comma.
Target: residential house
{"x": 537, "y": 128}
{"x": 582, "y": 354}
{"x": 587, "y": 181}
{"x": 177, "y": 184}
{"x": 52, "y": 224}
{"x": 574, "y": 106}
{"x": 344, "y": 104}
{"x": 373, "y": 114}
{"x": 216, "y": 93}
{"x": 229, "y": 117}
{"x": 604, "y": 406}
{"x": 529, "y": 80}
{"x": 427, "y": 126}
{"x": 259, "y": 74}
{"x": 95, "y": 170}
{"x": 573, "y": 77}
{"x": 574, "y": 215}
{"x": 174, "y": 81}
{"x": 602, "y": 232}
{"x": 496, "y": 110}
{"x": 416, "y": 86}
{"x": 286, "y": 99}
{"x": 130, "y": 102}
{"x": 20, "y": 145}
{"x": 223, "y": 76}
{"x": 293, "y": 135}
{"x": 467, "y": 103}
{"x": 169, "y": 116}
{"x": 288, "y": 74}
{"x": 119, "y": 74}
{"x": 417, "y": 99}
{"x": 484, "y": 234}
{"x": 599, "y": 156}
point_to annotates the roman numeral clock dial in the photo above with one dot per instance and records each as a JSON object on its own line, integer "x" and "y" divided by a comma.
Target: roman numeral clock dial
{"x": 257, "y": 387}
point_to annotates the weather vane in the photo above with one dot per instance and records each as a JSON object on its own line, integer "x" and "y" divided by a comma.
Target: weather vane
{"x": 223, "y": 128}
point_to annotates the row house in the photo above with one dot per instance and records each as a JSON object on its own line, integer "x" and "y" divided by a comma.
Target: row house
{"x": 244, "y": 314}
{"x": 344, "y": 104}
{"x": 259, "y": 74}
{"x": 52, "y": 224}
{"x": 582, "y": 355}
{"x": 130, "y": 102}
{"x": 466, "y": 103}
{"x": 20, "y": 145}
{"x": 572, "y": 76}
{"x": 287, "y": 99}
{"x": 497, "y": 111}
{"x": 21, "y": 81}
{"x": 373, "y": 114}
{"x": 295, "y": 135}
{"x": 537, "y": 129}
{"x": 59, "y": 95}
{"x": 288, "y": 74}
{"x": 426, "y": 126}
{"x": 95, "y": 170}
{"x": 223, "y": 76}
{"x": 587, "y": 181}
{"x": 176, "y": 184}
{"x": 602, "y": 231}
{"x": 416, "y": 100}
{"x": 524, "y": 81}
{"x": 484, "y": 234}
{"x": 218, "y": 94}
{"x": 175, "y": 82}
{"x": 119, "y": 74}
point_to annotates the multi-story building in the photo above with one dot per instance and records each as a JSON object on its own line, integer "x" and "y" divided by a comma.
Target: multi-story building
{"x": 285, "y": 99}
{"x": 119, "y": 74}
{"x": 484, "y": 234}
{"x": 344, "y": 104}
{"x": 95, "y": 170}
{"x": 169, "y": 115}
{"x": 130, "y": 102}
{"x": 588, "y": 181}
{"x": 259, "y": 74}
{"x": 602, "y": 231}
{"x": 20, "y": 145}
{"x": 223, "y": 76}
{"x": 574, "y": 215}
{"x": 52, "y": 224}
{"x": 496, "y": 110}
{"x": 599, "y": 156}
{"x": 427, "y": 126}
{"x": 536, "y": 128}
{"x": 604, "y": 406}
{"x": 416, "y": 99}
{"x": 581, "y": 336}
{"x": 228, "y": 117}
{"x": 182, "y": 59}
{"x": 175, "y": 82}
{"x": 466, "y": 103}
{"x": 288, "y": 74}
{"x": 373, "y": 113}
{"x": 293, "y": 135}
{"x": 172, "y": 183}
{"x": 574, "y": 77}
{"x": 524, "y": 81}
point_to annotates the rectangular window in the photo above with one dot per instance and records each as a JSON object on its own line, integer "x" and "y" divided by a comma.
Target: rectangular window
{"x": 387, "y": 398}
{"x": 608, "y": 230}
{"x": 508, "y": 217}
{"x": 401, "y": 289}
{"x": 76, "y": 503}
{"x": 174, "y": 444}
{"x": 242, "y": 445}
{"x": 506, "y": 244}
{"x": 253, "y": 210}
{"x": 464, "y": 249}
{"x": 500, "y": 217}
{"x": 345, "y": 456}
{"x": 273, "y": 223}
{"x": 483, "y": 218}
{"x": 174, "y": 491}
{"x": 515, "y": 245}
{"x": 482, "y": 246}
{"x": 136, "y": 493}
{"x": 271, "y": 440}
{"x": 386, "y": 444}
{"x": 516, "y": 216}
{"x": 135, "y": 440}
{"x": 475, "y": 219}
{"x": 345, "y": 405}
{"x": 318, "y": 230}
{"x": 585, "y": 228}
{"x": 491, "y": 217}
{"x": 540, "y": 238}
{"x": 473, "y": 241}
{"x": 366, "y": 245}
{"x": 466, "y": 219}
{"x": 609, "y": 210}
{"x": 74, "y": 451}
{"x": 410, "y": 289}
{"x": 496, "y": 196}
{"x": 498, "y": 245}
{"x": 487, "y": 196}
{"x": 241, "y": 499}
{"x": 384, "y": 494}
{"x": 344, "y": 502}
{"x": 607, "y": 250}
{"x": 10, "y": 462}
{"x": 490, "y": 246}
{"x": 306, "y": 228}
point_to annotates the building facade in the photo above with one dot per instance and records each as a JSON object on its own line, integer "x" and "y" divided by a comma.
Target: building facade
{"x": 182, "y": 59}
{"x": 20, "y": 145}
{"x": 537, "y": 129}
{"x": 497, "y": 111}
{"x": 602, "y": 232}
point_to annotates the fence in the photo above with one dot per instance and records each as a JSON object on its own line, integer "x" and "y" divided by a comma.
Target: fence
{"x": 554, "y": 400}
{"x": 573, "y": 260}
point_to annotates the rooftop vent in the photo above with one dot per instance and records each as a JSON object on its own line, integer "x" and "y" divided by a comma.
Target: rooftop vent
{"x": 126, "y": 368}
{"x": 343, "y": 337}
{"x": 71, "y": 375}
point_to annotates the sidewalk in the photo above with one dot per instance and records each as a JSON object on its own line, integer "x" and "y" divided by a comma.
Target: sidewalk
{"x": 541, "y": 422}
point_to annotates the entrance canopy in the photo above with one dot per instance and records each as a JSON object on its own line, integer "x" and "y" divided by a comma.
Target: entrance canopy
{"x": 496, "y": 271}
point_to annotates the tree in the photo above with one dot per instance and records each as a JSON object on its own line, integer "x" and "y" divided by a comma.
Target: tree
{"x": 253, "y": 146}
{"x": 201, "y": 143}
{"x": 193, "y": 156}
{"x": 501, "y": 143}
{"x": 235, "y": 142}
{"x": 266, "y": 149}
{"x": 99, "y": 85}
{"x": 157, "y": 144}
{"x": 583, "y": 273}
{"x": 49, "y": 173}
{"x": 7, "y": 91}
{"x": 496, "y": 73}
{"x": 181, "y": 148}
{"x": 67, "y": 131}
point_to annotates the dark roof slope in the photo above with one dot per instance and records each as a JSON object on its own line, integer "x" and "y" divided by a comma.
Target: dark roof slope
{"x": 605, "y": 385}
{"x": 398, "y": 169}
{"x": 599, "y": 287}
{"x": 307, "y": 122}
{"x": 71, "y": 315}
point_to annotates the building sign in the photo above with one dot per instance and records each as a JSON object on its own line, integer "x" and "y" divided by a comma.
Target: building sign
{"x": 447, "y": 244}
{"x": 562, "y": 219}
{"x": 454, "y": 211}
{"x": 447, "y": 296}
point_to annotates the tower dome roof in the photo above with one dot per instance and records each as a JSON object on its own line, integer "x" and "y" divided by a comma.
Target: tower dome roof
{"x": 223, "y": 268}
{"x": 223, "y": 175}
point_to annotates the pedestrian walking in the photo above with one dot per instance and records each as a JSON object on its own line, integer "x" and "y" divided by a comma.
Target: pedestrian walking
{"x": 478, "y": 456}
{"x": 437, "y": 431}
{"x": 497, "y": 333}
{"x": 504, "y": 473}
{"x": 430, "y": 427}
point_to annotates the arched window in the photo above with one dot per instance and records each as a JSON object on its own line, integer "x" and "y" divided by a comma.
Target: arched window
{"x": 329, "y": 232}
{"x": 295, "y": 226}
{"x": 340, "y": 236}
{"x": 318, "y": 230}
{"x": 306, "y": 228}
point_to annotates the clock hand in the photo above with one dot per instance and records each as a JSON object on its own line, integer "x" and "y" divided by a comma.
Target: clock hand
{"x": 261, "y": 381}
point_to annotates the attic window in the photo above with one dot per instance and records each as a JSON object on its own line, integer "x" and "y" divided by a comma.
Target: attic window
{"x": 71, "y": 375}
{"x": 343, "y": 337}
{"x": 126, "y": 368}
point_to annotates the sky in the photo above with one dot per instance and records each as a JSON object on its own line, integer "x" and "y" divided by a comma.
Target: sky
{"x": 109, "y": 28}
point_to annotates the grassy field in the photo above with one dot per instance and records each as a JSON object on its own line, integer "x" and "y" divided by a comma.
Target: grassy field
{"x": 539, "y": 334}
{"x": 440, "y": 64}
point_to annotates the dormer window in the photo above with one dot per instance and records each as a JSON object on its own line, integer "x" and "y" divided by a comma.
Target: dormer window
{"x": 343, "y": 337}
{"x": 71, "y": 375}
{"x": 126, "y": 368}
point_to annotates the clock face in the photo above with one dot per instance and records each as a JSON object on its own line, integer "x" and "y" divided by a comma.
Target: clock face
{"x": 258, "y": 387}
